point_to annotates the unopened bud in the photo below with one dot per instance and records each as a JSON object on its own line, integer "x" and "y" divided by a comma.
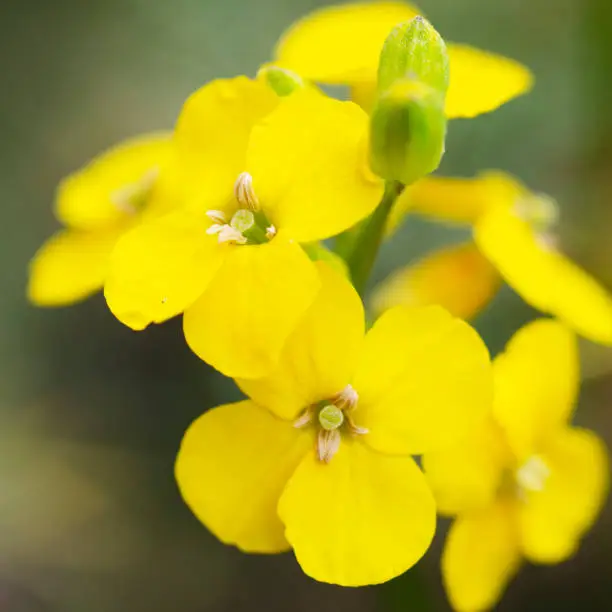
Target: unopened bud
{"x": 407, "y": 132}
{"x": 414, "y": 50}
{"x": 282, "y": 81}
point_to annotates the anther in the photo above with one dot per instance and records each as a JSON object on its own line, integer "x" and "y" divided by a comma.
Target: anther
{"x": 304, "y": 419}
{"x": 244, "y": 192}
{"x": 227, "y": 233}
{"x": 328, "y": 443}
{"x": 346, "y": 399}
{"x": 218, "y": 216}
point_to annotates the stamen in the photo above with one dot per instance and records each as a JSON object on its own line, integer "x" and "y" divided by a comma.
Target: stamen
{"x": 355, "y": 430}
{"x": 346, "y": 399}
{"x": 328, "y": 443}
{"x": 215, "y": 228}
{"x": 270, "y": 232}
{"x": 230, "y": 234}
{"x": 218, "y": 216}
{"x": 533, "y": 474}
{"x": 244, "y": 192}
{"x": 304, "y": 419}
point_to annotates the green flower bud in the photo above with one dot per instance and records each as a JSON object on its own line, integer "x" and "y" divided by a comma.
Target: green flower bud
{"x": 407, "y": 132}
{"x": 282, "y": 81}
{"x": 414, "y": 50}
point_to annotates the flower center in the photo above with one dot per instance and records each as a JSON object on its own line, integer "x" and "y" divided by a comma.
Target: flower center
{"x": 542, "y": 213}
{"x": 334, "y": 416}
{"x": 132, "y": 198}
{"x": 249, "y": 224}
{"x": 532, "y": 475}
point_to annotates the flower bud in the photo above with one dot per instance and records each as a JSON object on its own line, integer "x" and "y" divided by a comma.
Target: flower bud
{"x": 407, "y": 131}
{"x": 414, "y": 50}
{"x": 282, "y": 81}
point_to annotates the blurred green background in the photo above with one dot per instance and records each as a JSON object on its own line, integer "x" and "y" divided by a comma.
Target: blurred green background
{"x": 91, "y": 414}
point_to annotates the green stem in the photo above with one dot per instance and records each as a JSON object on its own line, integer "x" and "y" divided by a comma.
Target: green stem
{"x": 369, "y": 235}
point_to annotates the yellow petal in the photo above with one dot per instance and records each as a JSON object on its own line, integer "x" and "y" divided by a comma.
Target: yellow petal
{"x": 467, "y": 475}
{"x": 554, "y": 519}
{"x": 482, "y": 81}
{"x": 536, "y": 384}
{"x": 455, "y": 200}
{"x": 232, "y": 467}
{"x": 542, "y": 276}
{"x": 458, "y": 278}
{"x": 481, "y": 555}
{"x": 71, "y": 266}
{"x": 115, "y": 185}
{"x": 212, "y": 133}
{"x": 242, "y": 320}
{"x": 423, "y": 381}
{"x": 160, "y": 268}
{"x": 340, "y": 44}
{"x": 309, "y": 168}
{"x": 364, "y": 518}
{"x": 319, "y": 357}
{"x": 364, "y": 94}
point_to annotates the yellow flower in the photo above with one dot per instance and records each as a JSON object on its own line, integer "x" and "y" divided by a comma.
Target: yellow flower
{"x": 98, "y": 204}
{"x": 514, "y": 229}
{"x": 340, "y": 45}
{"x": 526, "y": 484}
{"x": 263, "y": 174}
{"x": 318, "y": 460}
{"x": 457, "y": 277}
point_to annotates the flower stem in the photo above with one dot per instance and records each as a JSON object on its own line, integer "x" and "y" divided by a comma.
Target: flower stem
{"x": 364, "y": 246}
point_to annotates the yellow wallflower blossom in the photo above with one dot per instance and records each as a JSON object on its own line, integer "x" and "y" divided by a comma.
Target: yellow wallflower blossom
{"x": 526, "y": 484}
{"x": 318, "y": 460}
{"x": 457, "y": 277}
{"x": 264, "y": 174}
{"x": 340, "y": 45}
{"x": 514, "y": 229}
{"x": 98, "y": 204}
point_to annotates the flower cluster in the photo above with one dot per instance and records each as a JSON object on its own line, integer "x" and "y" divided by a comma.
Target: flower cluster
{"x": 226, "y": 221}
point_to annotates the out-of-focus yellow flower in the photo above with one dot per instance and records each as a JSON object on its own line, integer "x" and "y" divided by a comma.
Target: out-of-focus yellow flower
{"x": 458, "y": 278}
{"x": 514, "y": 229}
{"x": 318, "y": 459}
{"x": 98, "y": 204}
{"x": 526, "y": 484}
{"x": 340, "y": 45}
{"x": 263, "y": 174}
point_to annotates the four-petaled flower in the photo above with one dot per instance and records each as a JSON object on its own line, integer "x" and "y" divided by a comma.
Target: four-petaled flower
{"x": 263, "y": 174}
{"x": 318, "y": 459}
{"x": 514, "y": 238}
{"x": 526, "y": 484}
{"x": 98, "y": 204}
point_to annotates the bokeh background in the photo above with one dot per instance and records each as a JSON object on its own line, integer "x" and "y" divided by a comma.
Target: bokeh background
{"x": 91, "y": 414}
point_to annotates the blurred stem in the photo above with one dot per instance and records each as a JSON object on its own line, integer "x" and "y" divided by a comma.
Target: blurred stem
{"x": 360, "y": 248}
